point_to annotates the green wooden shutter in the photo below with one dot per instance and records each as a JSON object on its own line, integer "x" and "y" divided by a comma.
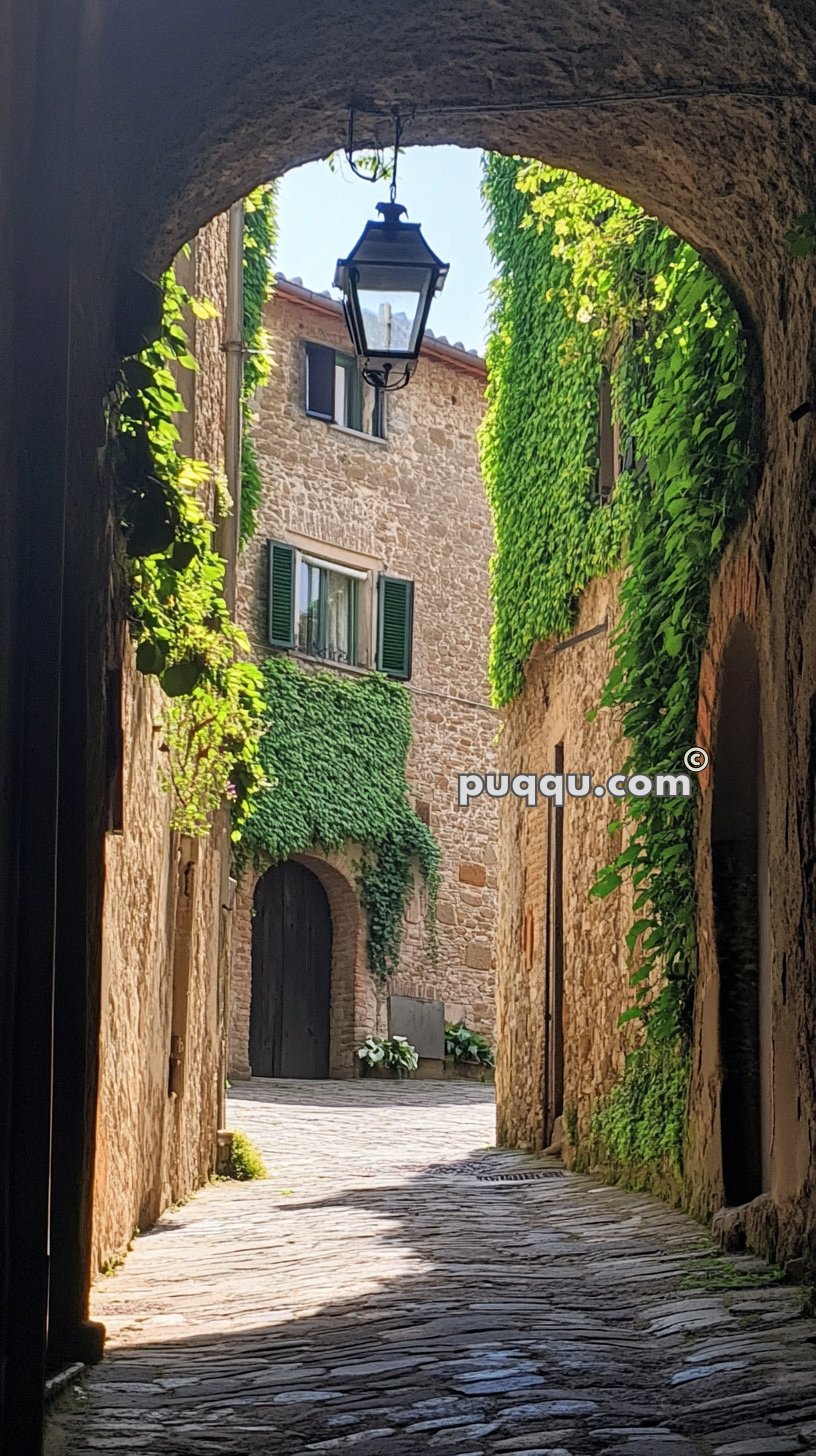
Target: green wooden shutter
{"x": 320, "y": 382}
{"x": 395, "y": 625}
{"x": 281, "y": 594}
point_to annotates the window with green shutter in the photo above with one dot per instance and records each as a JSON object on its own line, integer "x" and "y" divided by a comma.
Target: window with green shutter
{"x": 395, "y": 625}
{"x": 320, "y": 381}
{"x": 281, "y": 594}
{"x": 337, "y": 393}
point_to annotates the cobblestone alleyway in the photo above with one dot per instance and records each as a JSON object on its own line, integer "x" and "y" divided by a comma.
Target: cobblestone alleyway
{"x": 380, "y": 1294}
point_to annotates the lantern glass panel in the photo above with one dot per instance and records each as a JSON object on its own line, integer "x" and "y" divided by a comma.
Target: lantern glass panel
{"x": 391, "y": 319}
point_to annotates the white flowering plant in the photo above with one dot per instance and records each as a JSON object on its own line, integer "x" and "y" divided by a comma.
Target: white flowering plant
{"x": 391, "y": 1052}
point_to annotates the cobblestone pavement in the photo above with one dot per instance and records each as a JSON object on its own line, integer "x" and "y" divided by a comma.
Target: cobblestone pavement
{"x": 378, "y": 1294}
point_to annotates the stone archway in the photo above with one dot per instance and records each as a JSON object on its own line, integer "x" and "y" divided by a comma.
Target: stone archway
{"x": 352, "y": 994}
{"x": 123, "y": 130}
{"x": 292, "y": 935}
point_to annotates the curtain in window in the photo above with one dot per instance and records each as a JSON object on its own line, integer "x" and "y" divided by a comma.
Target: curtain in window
{"x": 338, "y": 590}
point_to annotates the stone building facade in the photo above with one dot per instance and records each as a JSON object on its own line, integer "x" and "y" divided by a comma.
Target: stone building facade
{"x": 165, "y": 929}
{"x": 748, "y": 1143}
{"x": 564, "y": 964}
{"x": 398, "y": 494}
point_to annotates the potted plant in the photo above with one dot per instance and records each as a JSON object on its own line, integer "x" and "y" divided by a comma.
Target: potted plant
{"x": 387, "y": 1056}
{"x": 468, "y": 1053}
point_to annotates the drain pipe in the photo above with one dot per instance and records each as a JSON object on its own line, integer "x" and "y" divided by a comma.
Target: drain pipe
{"x": 227, "y": 543}
{"x": 229, "y": 530}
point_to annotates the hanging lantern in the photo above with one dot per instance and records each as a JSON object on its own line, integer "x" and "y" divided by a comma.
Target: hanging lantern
{"x": 389, "y": 281}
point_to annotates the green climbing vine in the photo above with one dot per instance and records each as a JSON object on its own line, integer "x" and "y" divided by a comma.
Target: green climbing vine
{"x": 260, "y": 234}
{"x": 178, "y": 616}
{"x": 638, "y": 1130}
{"x": 587, "y": 278}
{"x": 335, "y": 773}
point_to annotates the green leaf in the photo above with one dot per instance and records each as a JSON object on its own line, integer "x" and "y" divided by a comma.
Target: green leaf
{"x": 672, "y": 640}
{"x": 181, "y": 678}
{"x": 150, "y": 658}
{"x": 607, "y": 881}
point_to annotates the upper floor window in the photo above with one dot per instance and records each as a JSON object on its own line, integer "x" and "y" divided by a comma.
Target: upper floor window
{"x": 335, "y": 612}
{"x": 336, "y": 392}
{"x": 614, "y": 454}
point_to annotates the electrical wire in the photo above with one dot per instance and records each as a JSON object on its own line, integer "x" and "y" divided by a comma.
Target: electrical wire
{"x": 565, "y": 103}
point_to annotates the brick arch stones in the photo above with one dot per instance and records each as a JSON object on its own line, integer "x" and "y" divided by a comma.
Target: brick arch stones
{"x": 122, "y": 129}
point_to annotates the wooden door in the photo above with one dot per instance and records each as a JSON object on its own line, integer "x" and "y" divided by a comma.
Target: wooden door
{"x": 554, "y": 951}
{"x": 291, "y": 975}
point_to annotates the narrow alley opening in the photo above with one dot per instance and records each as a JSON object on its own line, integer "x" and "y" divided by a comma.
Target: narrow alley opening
{"x": 352, "y": 868}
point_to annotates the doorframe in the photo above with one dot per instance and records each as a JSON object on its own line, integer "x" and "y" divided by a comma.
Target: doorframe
{"x": 744, "y": 983}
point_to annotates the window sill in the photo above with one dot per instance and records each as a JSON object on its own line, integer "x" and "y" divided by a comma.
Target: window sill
{"x": 380, "y": 440}
{"x": 327, "y": 663}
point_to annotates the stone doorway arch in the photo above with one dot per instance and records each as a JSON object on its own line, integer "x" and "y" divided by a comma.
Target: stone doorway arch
{"x": 291, "y": 974}
{"x": 352, "y": 995}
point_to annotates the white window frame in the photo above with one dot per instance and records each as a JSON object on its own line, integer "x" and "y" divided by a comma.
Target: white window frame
{"x": 366, "y": 609}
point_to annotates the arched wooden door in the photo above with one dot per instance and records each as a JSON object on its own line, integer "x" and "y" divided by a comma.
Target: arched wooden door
{"x": 291, "y": 975}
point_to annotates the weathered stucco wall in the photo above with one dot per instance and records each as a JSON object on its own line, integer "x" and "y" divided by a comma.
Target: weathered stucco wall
{"x": 414, "y": 506}
{"x": 153, "y": 1146}
{"x": 561, "y": 686}
{"x": 162, "y": 909}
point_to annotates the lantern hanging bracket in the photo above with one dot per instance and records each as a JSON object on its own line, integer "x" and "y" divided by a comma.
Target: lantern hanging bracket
{"x": 397, "y": 140}
{"x": 380, "y": 170}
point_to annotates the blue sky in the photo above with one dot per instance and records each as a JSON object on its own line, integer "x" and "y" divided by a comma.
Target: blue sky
{"x": 321, "y": 214}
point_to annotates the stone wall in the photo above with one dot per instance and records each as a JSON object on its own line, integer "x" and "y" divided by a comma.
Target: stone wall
{"x": 562, "y": 682}
{"x": 412, "y": 505}
{"x": 559, "y": 687}
{"x": 162, "y": 918}
{"x": 781, "y": 1221}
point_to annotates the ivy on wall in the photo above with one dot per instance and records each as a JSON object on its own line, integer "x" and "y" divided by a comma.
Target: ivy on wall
{"x": 538, "y": 439}
{"x": 586, "y": 277}
{"x": 260, "y": 235}
{"x": 335, "y": 772}
{"x": 178, "y": 616}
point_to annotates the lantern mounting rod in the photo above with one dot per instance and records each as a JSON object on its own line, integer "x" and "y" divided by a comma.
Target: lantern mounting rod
{"x": 397, "y": 140}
